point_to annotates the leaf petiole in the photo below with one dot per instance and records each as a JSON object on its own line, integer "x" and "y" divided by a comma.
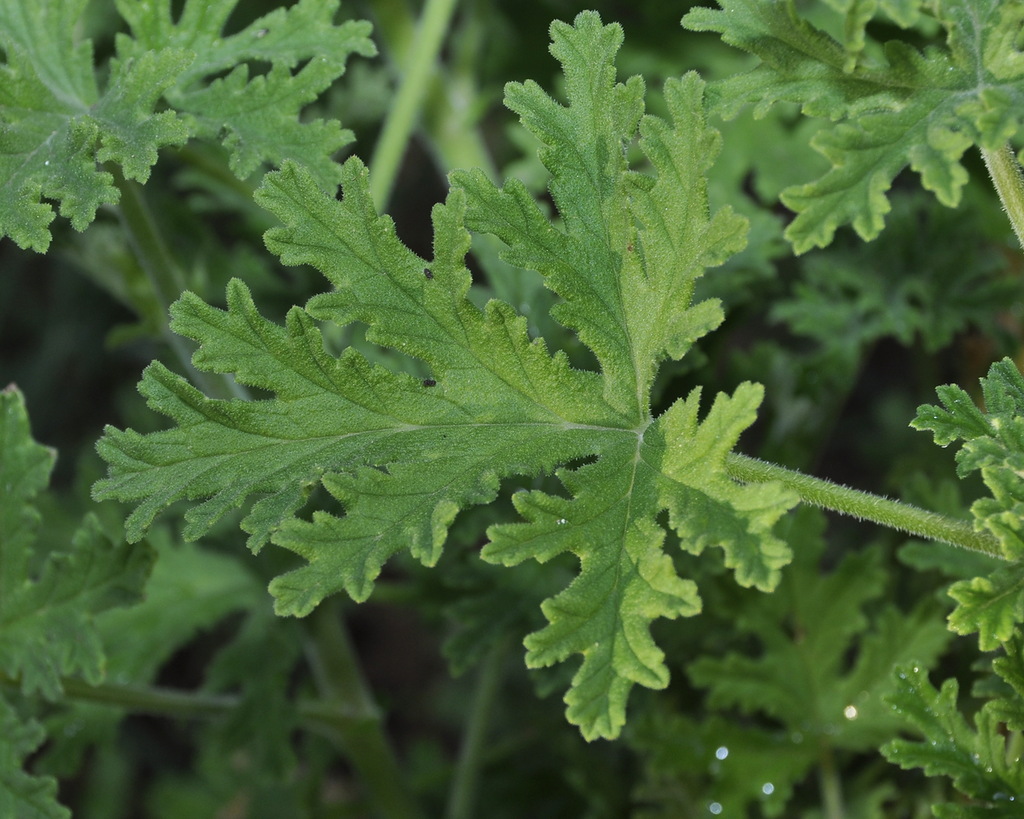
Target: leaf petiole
{"x": 865, "y": 506}
{"x": 1006, "y": 175}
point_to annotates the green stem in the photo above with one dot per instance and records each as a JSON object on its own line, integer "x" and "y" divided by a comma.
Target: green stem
{"x": 1006, "y": 176}
{"x": 462, "y": 797}
{"x": 165, "y": 276}
{"x": 166, "y": 279}
{"x": 341, "y": 684}
{"x": 417, "y": 71}
{"x": 186, "y": 705}
{"x": 865, "y": 506}
{"x": 451, "y": 118}
{"x": 830, "y": 784}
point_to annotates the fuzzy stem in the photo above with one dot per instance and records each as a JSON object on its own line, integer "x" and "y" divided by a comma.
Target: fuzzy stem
{"x": 408, "y": 102}
{"x": 1006, "y": 176}
{"x": 462, "y": 795}
{"x": 865, "y": 506}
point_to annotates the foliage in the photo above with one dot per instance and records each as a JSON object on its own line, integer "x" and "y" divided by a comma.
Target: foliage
{"x": 58, "y": 124}
{"x": 895, "y": 104}
{"x": 993, "y": 605}
{"x": 524, "y": 419}
{"x": 496, "y": 404}
{"x": 979, "y": 762}
{"x": 823, "y": 668}
{"x": 49, "y": 603}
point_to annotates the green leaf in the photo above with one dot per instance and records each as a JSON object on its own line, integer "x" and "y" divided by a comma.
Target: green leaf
{"x": 977, "y": 760}
{"x": 190, "y": 591}
{"x": 993, "y": 445}
{"x": 1009, "y": 707}
{"x": 403, "y": 455}
{"x": 808, "y": 630}
{"x": 257, "y": 117}
{"x": 22, "y": 794}
{"x": 928, "y": 278}
{"x": 991, "y": 606}
{"x": 48, "y": 602}
{"x": 24, "y": 472}
{"x": 723, "y": 761}
{"x": 58, "y": 122}
{"x": 46, "y": 615}
{"x": 905, "y": 107}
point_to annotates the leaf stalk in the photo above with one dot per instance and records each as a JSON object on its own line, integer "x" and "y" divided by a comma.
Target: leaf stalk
{"x": 186, "y": 705}
{"x": 1006, "y": 175}
{"x": 865, "y": 506}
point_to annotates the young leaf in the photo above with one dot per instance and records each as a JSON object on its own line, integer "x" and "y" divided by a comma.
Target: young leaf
{"x": 908, "y": 107}
{"x": 403, "y": 457}
{"x": 991, "y": 606}
{"x": 58, "y": 123}
{"x": 993, "y": 445}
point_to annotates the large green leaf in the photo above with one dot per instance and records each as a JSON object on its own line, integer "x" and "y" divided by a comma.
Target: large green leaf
{"x": 404, "y": 454}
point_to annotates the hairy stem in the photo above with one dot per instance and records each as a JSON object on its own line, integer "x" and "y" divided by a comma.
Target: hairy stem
{"x": 865, "y": 506}
{"x": 462, "y": 795}
{"x": 405, "y": 109}
{"x": 340, "y": 682}
{"x": 1006, "y": 176}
